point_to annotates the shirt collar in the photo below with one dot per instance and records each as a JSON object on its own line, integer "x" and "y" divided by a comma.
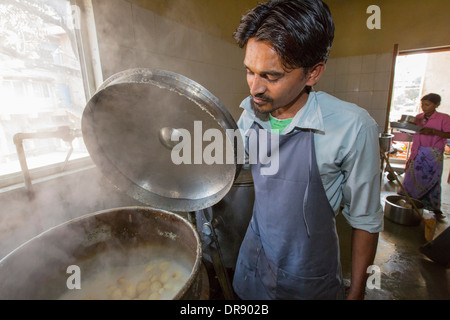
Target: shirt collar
{"x": 308, "y": 117}
{"x": 434, "y": 115}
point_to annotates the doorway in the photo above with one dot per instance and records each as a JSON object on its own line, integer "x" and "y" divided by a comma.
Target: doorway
{"x": 417, "y": 73}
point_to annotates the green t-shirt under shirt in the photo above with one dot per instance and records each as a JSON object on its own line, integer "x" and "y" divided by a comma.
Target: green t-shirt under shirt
{"x": 279, "y": 124}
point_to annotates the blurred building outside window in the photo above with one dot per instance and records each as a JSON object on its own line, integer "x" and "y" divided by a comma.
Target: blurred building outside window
{"x": 43, "y": 83}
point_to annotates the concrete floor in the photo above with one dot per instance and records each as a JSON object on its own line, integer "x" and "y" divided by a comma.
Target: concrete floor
{"x": 406, "y": 274}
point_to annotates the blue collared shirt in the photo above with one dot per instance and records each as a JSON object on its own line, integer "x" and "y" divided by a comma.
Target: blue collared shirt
{"x": 347, "y": 153}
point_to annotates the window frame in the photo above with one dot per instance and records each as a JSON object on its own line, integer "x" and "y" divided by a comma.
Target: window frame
{"x": 89, "y": 58}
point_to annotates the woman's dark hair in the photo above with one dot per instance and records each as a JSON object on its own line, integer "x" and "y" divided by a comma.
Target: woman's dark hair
{"x": 433, "y": 97}
{"x": 301, "y": 31}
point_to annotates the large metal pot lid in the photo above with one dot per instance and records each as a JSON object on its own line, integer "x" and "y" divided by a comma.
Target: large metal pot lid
{"x": 139, "y": 129}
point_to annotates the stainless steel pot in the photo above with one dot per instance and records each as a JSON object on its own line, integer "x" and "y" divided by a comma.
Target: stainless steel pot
{"x": 398, "y": 209}
{"x": 231, "y": 218}
{"x": 38, "y": 268}
{"x": 385, "y": 140}
{"x": 128, "y": 127}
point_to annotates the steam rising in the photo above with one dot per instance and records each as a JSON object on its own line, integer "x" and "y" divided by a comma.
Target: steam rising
{"x": 129, "y": 37}
{"x": 97, "y": 243}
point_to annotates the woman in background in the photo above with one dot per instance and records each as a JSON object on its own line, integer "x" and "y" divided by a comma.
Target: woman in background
{"x": 425, "y": 165}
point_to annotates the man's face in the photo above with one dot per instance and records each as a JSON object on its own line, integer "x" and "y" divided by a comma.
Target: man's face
{"x": 428, "y": 107}
{"x": 271, "y": 86}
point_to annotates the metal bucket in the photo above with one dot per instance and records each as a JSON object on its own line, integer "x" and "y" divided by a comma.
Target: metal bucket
{"x": 97, "y": 243}
{"x": 398, "y": 209}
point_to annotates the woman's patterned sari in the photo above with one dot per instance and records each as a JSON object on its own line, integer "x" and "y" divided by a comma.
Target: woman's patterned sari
{"x": 423, "y": 177}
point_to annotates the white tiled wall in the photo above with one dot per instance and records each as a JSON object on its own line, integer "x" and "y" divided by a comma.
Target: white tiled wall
{"x": 130, "y": 37}
{"x": 363, "y": 80}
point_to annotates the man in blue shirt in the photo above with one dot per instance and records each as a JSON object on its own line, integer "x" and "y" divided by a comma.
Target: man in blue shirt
{"x": 328, "y": 155}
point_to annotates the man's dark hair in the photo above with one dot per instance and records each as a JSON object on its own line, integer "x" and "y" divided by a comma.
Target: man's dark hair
{"x": 301, "y": 31}
{"x": 433, "y": 97}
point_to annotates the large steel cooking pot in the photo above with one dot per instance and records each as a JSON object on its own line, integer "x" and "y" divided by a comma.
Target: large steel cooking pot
{"x": 398, "y": 209}
{"x": 231, "y": 218}
{"x": 128, "y": 127}
{"x": 98, "y": 242}
{"x": 132, "y": 124}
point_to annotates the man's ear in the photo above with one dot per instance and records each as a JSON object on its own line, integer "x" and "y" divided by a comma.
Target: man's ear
{"x": 315, "y": 73}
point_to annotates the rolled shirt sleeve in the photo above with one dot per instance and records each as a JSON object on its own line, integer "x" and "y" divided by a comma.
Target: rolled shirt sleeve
{"x": 361, "y": 189}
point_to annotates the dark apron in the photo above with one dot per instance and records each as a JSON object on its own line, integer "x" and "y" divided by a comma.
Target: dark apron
{"x": 291, "y": 248}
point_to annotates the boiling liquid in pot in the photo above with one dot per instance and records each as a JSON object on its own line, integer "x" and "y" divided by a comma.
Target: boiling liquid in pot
{"x": 155, "y": 276}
